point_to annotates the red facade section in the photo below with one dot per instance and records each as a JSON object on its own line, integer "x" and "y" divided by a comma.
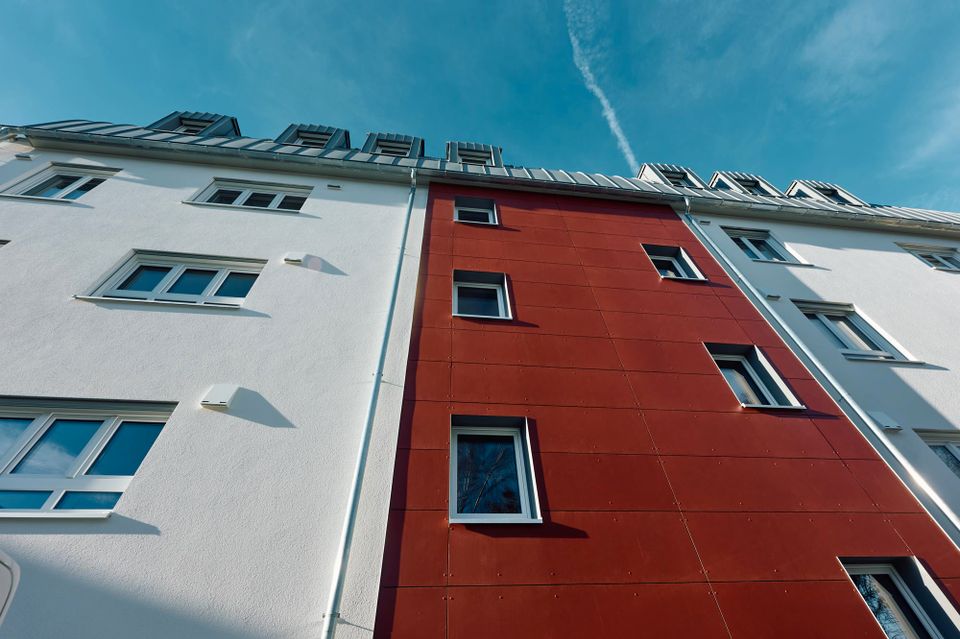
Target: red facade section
{"x": 668, "y": 509}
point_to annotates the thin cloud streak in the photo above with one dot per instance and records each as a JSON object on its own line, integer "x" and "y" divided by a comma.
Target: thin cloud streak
{"x": 582, "y": 62}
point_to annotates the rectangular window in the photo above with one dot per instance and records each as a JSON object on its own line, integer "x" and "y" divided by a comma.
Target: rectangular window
{"x": 672, "y": 262}
{"x": 833, "y": 195}
{"x": 759, "y": 245}
{"x": 677, "y": 178}
{"x": 752, "y": 186}
{"x": 314, "y": 139}
{"x": 491, "y": 471}
{"x": 751, "y": 377}
{"x": 392, "y": 147}
{"x": 61, "y": 181}
{"x": 475, "y": 210}
{"x": 72, "y": 455}
{"x": 191, "y": 126}
{"x": 256, "y": 195}
{"x": 848, "y": 331}
{"x": 176, "y": 277}
{"x": 904, "y": 599}
{"x": 479, "y": 158}
{"x": 946, "y": 447}
{"x": 943, "y": 258}
{"x": 481, "y": 295}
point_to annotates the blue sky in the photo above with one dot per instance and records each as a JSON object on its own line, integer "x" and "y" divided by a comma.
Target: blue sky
{"x": 865, "y": 93}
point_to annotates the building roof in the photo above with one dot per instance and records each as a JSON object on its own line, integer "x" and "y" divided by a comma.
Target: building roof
{"x": 708, "y": 199}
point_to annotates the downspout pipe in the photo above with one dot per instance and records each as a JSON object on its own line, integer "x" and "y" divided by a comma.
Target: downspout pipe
{"x": 943, "y": 508}
{"x": 332, "y": 612}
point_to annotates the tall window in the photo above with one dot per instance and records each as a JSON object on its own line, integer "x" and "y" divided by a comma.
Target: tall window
{"x": 751, "y": 377}
{"x": 759, "y": 245}
{"x": 848, "y": 331}
{"x": 256, "y": 195}
{"x": 61, "y": 181}
{"x": 176, "y": 277}
{"x": 480, "y": 295}
{"x": 63, "y": 456}
{"x": 904, "y": 600}
{"x": 491, "y": 471}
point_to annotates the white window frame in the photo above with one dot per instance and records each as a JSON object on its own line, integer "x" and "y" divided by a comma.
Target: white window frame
{"x": 503, "y": 297}
{"x": 750, "y": 236}
{"x": 490, "y": 213}
{"x": 110, "y": 289}
{"x": 682, "y": 263}
{"x": 905, "y": 592}
{"x": 526, "y": 478}
{"x": 764, "y": 387}
{"x": 886, "y": 351}
{"x": 248, "y": 188}
{"x": 73, "y": 480}
{"x": 944, "y": 258}
{"x": 21, "y": 186}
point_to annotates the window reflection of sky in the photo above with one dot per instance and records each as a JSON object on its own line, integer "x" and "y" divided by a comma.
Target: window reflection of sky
{"x": 10, "y": 430}
{"x": 58, "y": 447}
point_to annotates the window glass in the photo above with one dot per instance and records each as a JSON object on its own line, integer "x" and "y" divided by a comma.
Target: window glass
{"x": 237, "y": 285}
{"x": 746, "y": 390}
{"x": 145, "y": 278}
{"x": 86, "y": 187}
{"x": 259, "y": 199}
{"x": 224, "y": 196}
{"x": 53, "y": 186}
{"x": 58, "y": 447}
{"x": 193, "y": 281}
{"x": 125, "y": 451}
{"x": 853, "y": 333}
{"x": 943, "y": 452}
{"x": 813, "y": 317}
{"x": 767, "y": 251}
{"x": 487, "y": 479}
{"x": 23, "y": 498}
{"x": 666, "y": 267}
{"x": 77, "y": 500}
{"x": 889, "y": 607}
{"x": 292, "y": 202}
{"x": 746, "y": 248}
{"x": 474, "y": 300}
{"x": 11, "y": 428}
{"x": 469, "y": 215}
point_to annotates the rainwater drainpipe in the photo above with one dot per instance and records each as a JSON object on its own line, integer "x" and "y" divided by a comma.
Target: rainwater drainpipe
{"x": 332, "y": 612}
{"x": 845, "y": 397}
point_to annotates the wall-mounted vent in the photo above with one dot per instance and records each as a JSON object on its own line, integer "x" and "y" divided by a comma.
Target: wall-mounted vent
{"x": 315, "y": 136}
{"x": 824, "y": 192}
{"x": 197, "y": 123}
{"x": 671, "y": 175}
{"x": 747, "y": 183}
{"x": 393, "y": 144}
{"x": 474, "y": 153}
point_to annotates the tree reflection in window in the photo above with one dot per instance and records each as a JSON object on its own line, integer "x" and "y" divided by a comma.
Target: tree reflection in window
{"x": 888, "y": 605}
{"x": 487, "y": 480}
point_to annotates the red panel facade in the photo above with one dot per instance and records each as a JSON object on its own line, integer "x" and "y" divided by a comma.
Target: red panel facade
{"x": 669, "y": 510}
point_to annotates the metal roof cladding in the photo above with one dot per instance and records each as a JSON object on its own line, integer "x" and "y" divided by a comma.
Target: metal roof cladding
{"x": 706, "y": 199}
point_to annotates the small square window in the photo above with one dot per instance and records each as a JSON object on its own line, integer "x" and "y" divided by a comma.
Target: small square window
{"x": 254, "y": 195}
{"x": 392, "y": 147}
{"x": 903, "y": 598}
{"x": 61, "y": 182}
{"x": 480, "y": 295}
{"x": 475, "y": 210}
{"x": 172, "y": 277}
{"x": 672, "y": 262}
{"x": 74, "y": 456}
{"x": 191, "y": 126}
{"x": 750, "y": 376}
{"x": 314, "y": 139}
{"x": 848, "y": 331}
{"x": 760, "y": 246}
{"x": 491, "y": 471}
{"x": 479, "y": 158}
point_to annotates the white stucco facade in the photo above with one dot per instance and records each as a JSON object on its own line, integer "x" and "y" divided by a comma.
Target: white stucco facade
{"x": 913, "y": 306}
{"x": 229, "y": 530}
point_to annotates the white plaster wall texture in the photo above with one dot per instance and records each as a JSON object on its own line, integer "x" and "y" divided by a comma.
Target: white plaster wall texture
{"x": 230, "y": 528}
{"x": 916, "y": 306}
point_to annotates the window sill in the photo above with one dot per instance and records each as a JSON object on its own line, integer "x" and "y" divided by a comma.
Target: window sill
{"x": 495, "y": 520}
{"x": 684, "y": 279}
{"x": 476, "y": 223}
{"x": 785, "y": 263}
{"x": 883, "y": 360}
{"x": 485, "y": 317}
{"x": 775, "y": 406}
{"x": 34, "y": 198}
{"x": 55, "y": 514}
{"x": 214, "y": 205}
{"x": 125, "y": 300}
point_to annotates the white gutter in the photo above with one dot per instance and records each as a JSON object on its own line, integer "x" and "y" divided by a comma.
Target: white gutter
{"x": 332, "y": 611}
{"x": 944, "y": 509}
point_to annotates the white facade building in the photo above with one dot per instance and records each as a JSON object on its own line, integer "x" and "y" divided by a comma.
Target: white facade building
{"x": 123, "y": 303}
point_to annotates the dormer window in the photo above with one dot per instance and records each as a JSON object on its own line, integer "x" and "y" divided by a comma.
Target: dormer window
{"x": 191, "y": 127}
{"x": 833, "y": 194}
{"x": 678, "y": 178}
{"x": 753, "y": 187}
{"x": 479, "y": 158}
{"x": 392, "y": 147}
{"x": 314, "y": 139}
{"x": 823, "y": 192}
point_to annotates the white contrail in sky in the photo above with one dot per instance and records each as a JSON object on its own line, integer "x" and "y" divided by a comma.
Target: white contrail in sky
{"x": 582, "y": 60}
